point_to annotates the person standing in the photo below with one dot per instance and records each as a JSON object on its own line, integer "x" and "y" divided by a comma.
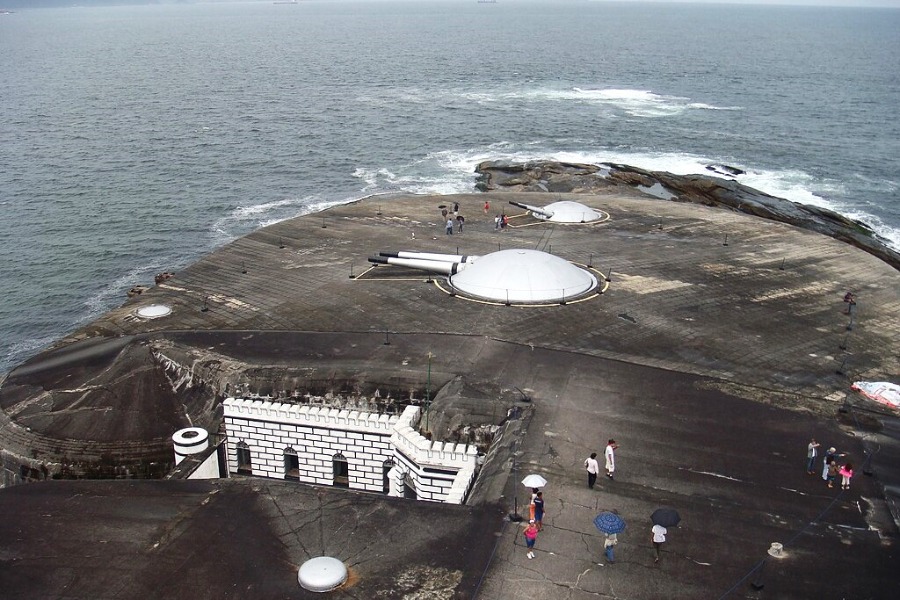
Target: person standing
{"x": 487, "y": 206}
{"x": 846, "y": 473}
{"x": 460, "y": 221}
{"x": 658, "y": 538}
{"x": 811, "y": 455}
{"x": 449, "y": 226}
{"x": 832, "y": 472}
{"x": 531, "y": 506}
{"x": 593, "y": 467}
{"x": 826, "y": 461}
{"x": 530, "y": 537}
{"x": 539, "y": 510}
{"x": 610, "y": 455}
{"x": 608, "y": 545}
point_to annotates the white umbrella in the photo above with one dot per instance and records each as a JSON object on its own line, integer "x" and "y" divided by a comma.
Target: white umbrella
{"x": 534, "y": 481}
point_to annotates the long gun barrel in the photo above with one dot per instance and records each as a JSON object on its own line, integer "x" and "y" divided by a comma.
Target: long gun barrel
{"x": 456, "y": 258}
{"x": 432, "y": 266}
{"x": 534, "y": 209}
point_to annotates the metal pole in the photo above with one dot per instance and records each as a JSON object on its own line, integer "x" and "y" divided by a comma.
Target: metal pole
{"x": 428, "y": 392}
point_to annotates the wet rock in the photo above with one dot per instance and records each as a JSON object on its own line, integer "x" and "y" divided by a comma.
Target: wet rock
{"x": 707, "y": 190}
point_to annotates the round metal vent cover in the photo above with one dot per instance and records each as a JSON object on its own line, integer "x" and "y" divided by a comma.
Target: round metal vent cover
{"x": 321, "y": 574}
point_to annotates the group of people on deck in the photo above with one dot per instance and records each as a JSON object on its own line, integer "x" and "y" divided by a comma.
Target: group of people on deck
{"x": 830, "y": 466}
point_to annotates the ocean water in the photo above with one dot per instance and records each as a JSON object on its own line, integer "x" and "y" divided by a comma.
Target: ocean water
{"x": 136, "y": 139}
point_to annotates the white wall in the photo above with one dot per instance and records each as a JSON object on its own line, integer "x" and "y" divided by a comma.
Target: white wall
{"x": 439, "y": 472}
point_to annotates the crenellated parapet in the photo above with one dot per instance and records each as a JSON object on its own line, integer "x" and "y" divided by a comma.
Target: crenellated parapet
{"x": 426, "y": 452}
{"x": 318, "y": 416}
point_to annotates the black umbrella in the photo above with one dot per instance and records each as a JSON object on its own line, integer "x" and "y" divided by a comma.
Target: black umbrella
{"x": 666, "y": 516}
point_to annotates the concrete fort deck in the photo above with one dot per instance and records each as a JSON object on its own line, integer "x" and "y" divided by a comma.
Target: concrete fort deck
{"x": 711, "y": 360}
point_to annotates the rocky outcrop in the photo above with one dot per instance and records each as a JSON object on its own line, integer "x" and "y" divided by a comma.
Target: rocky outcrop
{"x": 704, "y": 189}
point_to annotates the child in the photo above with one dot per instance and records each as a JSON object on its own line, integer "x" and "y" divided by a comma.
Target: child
{"x": 832, "y": 472}
{"x": 530, "y": 537}
{"x": 846, "y": 473}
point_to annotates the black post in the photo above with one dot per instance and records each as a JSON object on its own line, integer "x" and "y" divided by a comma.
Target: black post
{"x": 387, "y": 339}
{"x": 840, "y": 370}
{"x": 514, "y": 517}
{"x": 725, "y": 243}
{"x": 757, "y": 583}
{"x": 205, "y": 306}
{"x": 781, "y": 268}
{"x": 352, "y": 276}
{"x": 609, "y": 274}
{"x": 590, "y": 260}
{"x": 243, "y": 267}
{"x": 323, "y": 223}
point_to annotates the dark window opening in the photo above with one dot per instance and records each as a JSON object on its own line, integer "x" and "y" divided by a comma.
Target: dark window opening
{"x": 385, "y": 477}
{"x": 341, "y": 471}
{"x": 243, "y": 459}
{"x": 409, "y": 487}
{"x": 291, "y": 464}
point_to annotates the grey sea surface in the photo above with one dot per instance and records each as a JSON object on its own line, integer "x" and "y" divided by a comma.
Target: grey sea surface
{"x": 136, "y": 139}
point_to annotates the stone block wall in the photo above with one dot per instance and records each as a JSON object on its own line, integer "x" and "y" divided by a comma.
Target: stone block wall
{"x": 316, "y": 435}
{"x": 426, "y": 470}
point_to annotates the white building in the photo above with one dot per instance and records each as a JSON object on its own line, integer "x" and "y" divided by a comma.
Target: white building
{"x": 346, "y": 448}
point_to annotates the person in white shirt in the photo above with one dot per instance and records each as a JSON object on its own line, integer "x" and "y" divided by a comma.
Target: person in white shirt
{"x": 659, "y": 538}
{"x": 593, "y": 467}
{"x": 611, "y": 457}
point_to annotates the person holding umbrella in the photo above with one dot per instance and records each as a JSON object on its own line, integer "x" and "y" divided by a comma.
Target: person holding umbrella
{"x": 538, "y": 503}
{"x": 662, "y": 518}
{"x": 535, "y": 482}
{"x": 658, "y": 538}
{"x": 610, "y": 524}
{"x": 608, "y": 545}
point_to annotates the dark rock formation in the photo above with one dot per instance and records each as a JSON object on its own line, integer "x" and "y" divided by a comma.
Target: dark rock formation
{"x": 700, "y": 189}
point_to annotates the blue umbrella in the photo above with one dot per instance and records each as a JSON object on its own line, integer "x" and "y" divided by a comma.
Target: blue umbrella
{"x": 609, "y": 522}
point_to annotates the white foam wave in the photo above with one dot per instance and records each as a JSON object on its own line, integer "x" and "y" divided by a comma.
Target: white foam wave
{"x": 627, "y": 101}
{"x": 452, "y": 172}
{"x": 20, "y": 350}
{"x": 243, "y": 219}
{"x": 632, "y": 102}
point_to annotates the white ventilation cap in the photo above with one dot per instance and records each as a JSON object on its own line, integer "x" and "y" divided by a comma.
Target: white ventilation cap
{"x": 321, "y": 574}
{"x": 154, "y": 311}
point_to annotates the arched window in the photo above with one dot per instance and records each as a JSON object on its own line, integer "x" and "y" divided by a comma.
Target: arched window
{"x": 385, "y": 475}
{"x": 341, "y": 470}
{"x": 244, "y": 463}
{"x": 291, "y": 464}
